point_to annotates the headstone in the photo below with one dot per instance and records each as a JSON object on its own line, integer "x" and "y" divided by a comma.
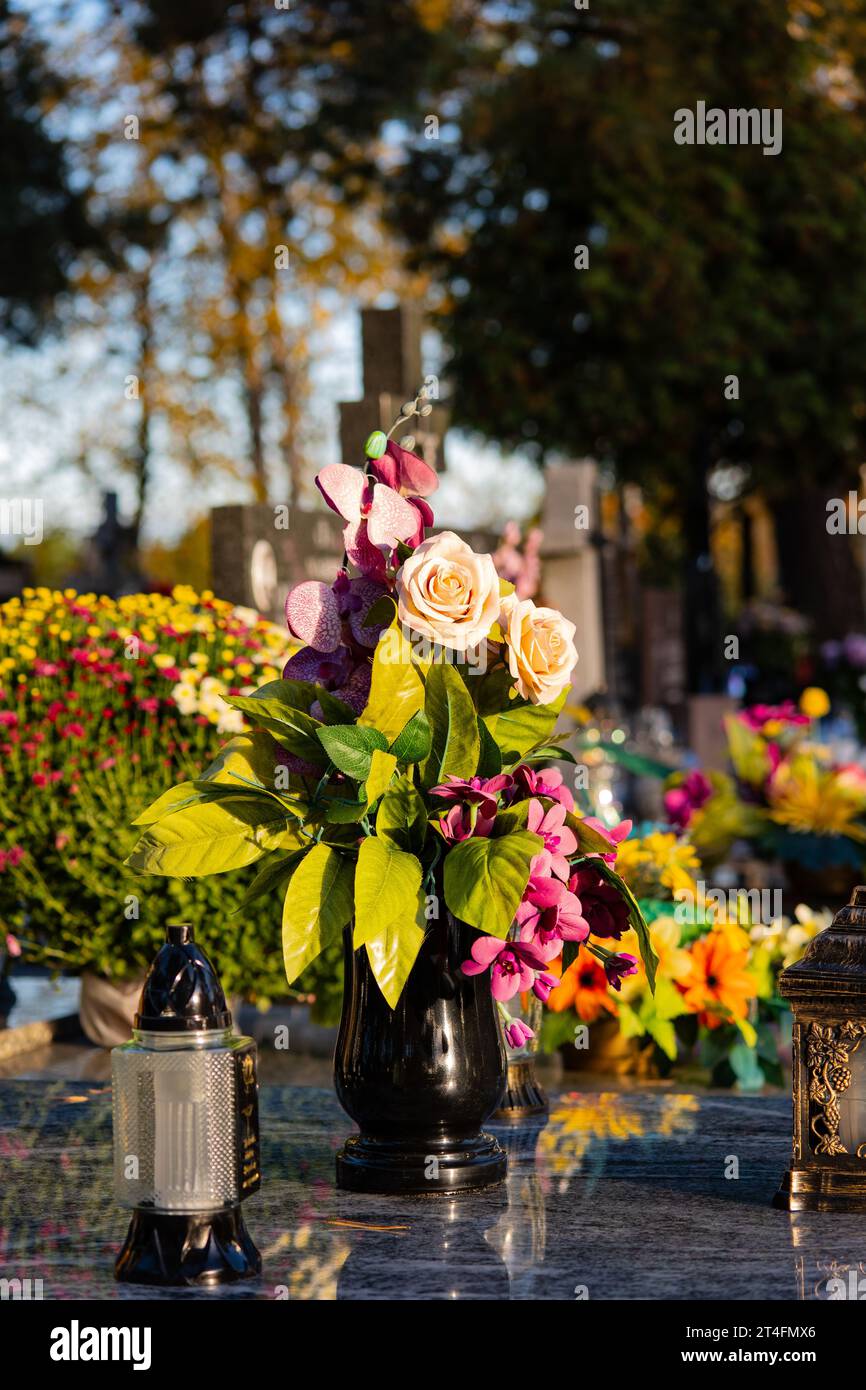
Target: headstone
{"x": 570, "y": 567}
{"x": 662, "y": 656}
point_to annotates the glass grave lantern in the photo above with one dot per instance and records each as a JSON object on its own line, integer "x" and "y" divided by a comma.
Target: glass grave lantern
{"x": 186, "y": 1140}
{"x": 827, "y": 993}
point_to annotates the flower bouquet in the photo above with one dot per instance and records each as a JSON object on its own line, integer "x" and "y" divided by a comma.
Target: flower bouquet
{"x": 787, "y": 795}
{"x": 715, "y": 1008}
{"x": 391, "y": 786}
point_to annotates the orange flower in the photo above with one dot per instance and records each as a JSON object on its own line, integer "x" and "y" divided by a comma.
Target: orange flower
{"x": 718, "y": 985}
{"x": 583, "y": 988}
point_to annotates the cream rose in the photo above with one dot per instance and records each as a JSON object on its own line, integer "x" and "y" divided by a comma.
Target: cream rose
{"x": 541, "y": 650}
{"x": 448, "y": 593}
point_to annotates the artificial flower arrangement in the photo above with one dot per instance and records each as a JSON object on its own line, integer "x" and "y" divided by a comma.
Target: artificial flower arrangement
{"x": 101, "y": 700}
{"x": 715, "y": 1003}
{"x": 397, "y": 762}
{"x": 786, "y": 795}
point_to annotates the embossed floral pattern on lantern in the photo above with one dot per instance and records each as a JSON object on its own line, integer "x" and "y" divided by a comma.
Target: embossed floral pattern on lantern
{"x": 830, "y": 1059}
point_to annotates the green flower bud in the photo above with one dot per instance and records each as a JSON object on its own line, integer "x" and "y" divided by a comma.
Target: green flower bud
{"x": 376, "y": 444}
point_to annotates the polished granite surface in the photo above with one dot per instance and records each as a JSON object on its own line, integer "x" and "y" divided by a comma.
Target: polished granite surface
{"x": 620, "y": 1196}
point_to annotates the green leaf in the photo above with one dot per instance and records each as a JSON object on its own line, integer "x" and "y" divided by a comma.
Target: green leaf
{"x": 210, "y": 838}
{"x": 380, "y": 613}
{"x": 549, "y": 753}
{"x": 402, "y": 816}
{"x": 490, "y": 757}
{"x": 350, "y": 748}
{"x": 635, "y": 918}
{"x": 663, "y": 1034}
{"x": 184, "y": 794}
{"x": 589, "y": 841}
{"x": 270, "y": 880}
{"x": 451, "y": 715}
{"x": 485, "y": 879}
{"x": 396, "y": 690}
{"x": 393, "y": 950}
{"x": 343, "y": 812}
{"x": 317, "y": 906}
{"x": 247, "y": 758}
{"x": 387, "y": 881}
{"x": 292, "y": 728}
{"x": 515, "y": 724}
{"x": 414, "y": 740}
{"x": 335, "y": 711}
{"x": 382, "y": 766}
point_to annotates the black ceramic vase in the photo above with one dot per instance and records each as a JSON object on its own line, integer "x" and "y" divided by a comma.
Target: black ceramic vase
{"x": 420, "y": 1080}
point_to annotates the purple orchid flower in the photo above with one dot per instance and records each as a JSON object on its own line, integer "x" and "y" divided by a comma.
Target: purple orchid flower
{"x": 617, "y": 967}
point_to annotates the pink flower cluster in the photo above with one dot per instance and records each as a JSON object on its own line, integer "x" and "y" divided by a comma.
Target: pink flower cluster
{"x": 381, "y": 507}
{"x": 559, "y": 904}
{"x": 331, "y": 622}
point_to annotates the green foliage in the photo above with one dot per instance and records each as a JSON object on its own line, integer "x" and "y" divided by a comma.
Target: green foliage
{"x": 414, "y": 740}
{"x": 450, "y": 713}
{"x": 211, "y": 838}
{"x": 635, "y": 918}
{"x": 389, "y": 912}
{"x": 317, "y": 906}
{"x": 350, "y": 748}
{"x": 275, "y": 707}
{"x": 402, "y": 816}
{"x": 514, "y": 724}
{"x": 396, "y": 689}
{"x": 486, "y": 878}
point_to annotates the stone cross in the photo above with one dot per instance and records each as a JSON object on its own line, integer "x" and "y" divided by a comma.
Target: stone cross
{"x": 258, "y": 551}
{"x": 392, "y": 374}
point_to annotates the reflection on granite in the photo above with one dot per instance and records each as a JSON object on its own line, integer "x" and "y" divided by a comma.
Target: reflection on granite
{"x": 620, "y": 1195}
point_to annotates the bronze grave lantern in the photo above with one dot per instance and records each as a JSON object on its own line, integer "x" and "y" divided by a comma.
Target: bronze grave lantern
{"x": 827, "y": 993}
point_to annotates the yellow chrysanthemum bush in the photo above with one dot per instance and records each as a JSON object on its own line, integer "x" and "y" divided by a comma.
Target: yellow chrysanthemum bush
{"x": 101, "y": 702}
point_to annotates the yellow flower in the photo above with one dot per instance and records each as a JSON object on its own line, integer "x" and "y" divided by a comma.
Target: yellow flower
{"x": 811, "y": 799}
{"x": 815, "y": 702}
{"x": 657, "y": 860}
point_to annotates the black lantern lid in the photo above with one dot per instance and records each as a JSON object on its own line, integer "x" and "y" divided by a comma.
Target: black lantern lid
{"x": 182, "y": 992}
{"x": 835, "y": 959}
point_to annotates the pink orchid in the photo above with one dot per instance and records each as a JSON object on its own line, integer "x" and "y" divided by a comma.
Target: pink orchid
{"x": 376, "y": 516}
{"x": 547, "y": 781}
{"x": 544, "y": 983}
{"x": 514, "y": 965}
{"x": 461, "y": 822}
{"x": 614, "y": 834}
{"x": 413, "y": 479}
{"x": 474, "y": 791}
{"x": 404, "y": 472}
{"x": 548, "y": 915}
{"x": 559, "y": 841}
{"x": 518, "y": 1033}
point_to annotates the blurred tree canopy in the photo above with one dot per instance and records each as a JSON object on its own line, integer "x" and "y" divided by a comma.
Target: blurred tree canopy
{"x": 703, "y": 261}
{"x": 43, "y": 223}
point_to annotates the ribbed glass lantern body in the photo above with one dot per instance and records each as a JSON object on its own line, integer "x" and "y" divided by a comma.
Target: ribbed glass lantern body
{"x": 179, "y": 1123}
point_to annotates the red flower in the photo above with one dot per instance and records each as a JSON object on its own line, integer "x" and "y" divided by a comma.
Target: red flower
{"x": 39, "y": 779}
